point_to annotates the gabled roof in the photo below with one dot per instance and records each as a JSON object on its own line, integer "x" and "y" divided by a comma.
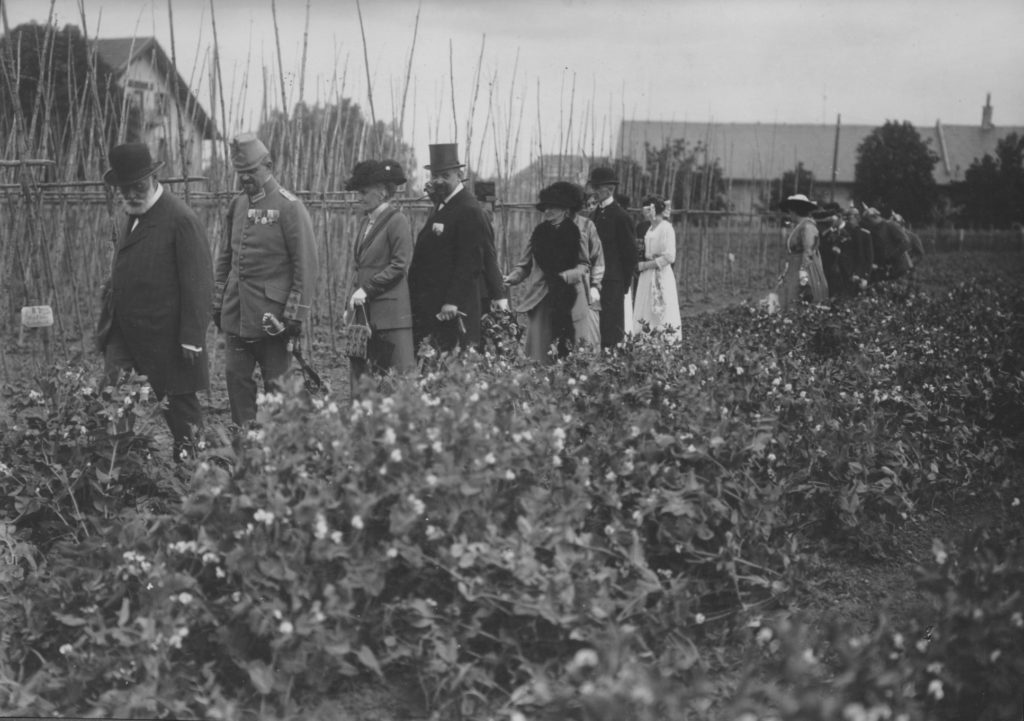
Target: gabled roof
{"x": 759, "y": 151}
{"x": 118, "y": 54}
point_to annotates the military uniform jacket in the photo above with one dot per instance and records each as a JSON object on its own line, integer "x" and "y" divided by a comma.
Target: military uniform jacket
{"x": 446, "y": 265}
{"x": 380, "y": 260}
{"x": 160, "y": 290}
{"x": 267, "y": 263}
{"x": 617, "y": 241}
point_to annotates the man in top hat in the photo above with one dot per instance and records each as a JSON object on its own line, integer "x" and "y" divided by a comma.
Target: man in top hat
{"x": 615, "y": 228}
{"x": 154, "y": 317}
{"x": 444, "y": 276}
{"x": 266, "y": 267}
{"x": 493, "y": 294}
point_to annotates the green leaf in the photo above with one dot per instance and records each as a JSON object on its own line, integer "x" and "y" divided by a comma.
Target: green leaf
{"x": 261, "y": 675}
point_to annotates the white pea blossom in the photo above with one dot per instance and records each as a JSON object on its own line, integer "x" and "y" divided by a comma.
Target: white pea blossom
{"x": 264, "y": 517}
{"x": 67, "y": 649}
{"x": 286, "y": 628}
{"x": 357, "y": 522}
{"x": 320, "y": 527}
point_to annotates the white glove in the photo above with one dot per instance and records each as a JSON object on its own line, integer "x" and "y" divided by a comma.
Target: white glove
{"x": 499, "y": 304}
{"x": 358, "y": 298}
{"x": 595, "y": 295}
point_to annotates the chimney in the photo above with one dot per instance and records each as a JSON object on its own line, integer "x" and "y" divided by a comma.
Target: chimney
{"x": 986, "y": 113}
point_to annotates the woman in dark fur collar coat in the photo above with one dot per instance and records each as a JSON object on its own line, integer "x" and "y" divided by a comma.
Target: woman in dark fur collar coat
{"x": 553, "y": 270}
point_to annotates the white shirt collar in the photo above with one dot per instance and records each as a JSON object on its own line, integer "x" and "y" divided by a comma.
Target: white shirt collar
{"x": 607, "y": 201}
{"x": 453, "y": 193}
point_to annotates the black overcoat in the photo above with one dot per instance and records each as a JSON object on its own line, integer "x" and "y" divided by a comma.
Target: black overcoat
{"x": 160, "y": 289}
{"x": 446, "y": 265}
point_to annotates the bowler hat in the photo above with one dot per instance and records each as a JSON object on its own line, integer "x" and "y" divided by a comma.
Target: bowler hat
{"x": 130, "y": 163}
{"x": 370, "y": 172}
{"x": 798, "y": 203}
{"x": 602, "y": 175}
{"x": 247, "y": 152}
{"x": 561, "y": 194}
{"x": 444, "y": 156}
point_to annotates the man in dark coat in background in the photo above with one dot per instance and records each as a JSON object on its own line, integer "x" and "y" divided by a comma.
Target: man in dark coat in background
{"x": 616, "y": 231}
{"x": 444, "y": 276}
{"x": 493, "y": 293}
{"x": 891, "y": 245}
{"x": 156, "y": 308}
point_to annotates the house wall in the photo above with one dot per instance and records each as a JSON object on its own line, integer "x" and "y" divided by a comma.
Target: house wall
{"x": 153, "y": 99}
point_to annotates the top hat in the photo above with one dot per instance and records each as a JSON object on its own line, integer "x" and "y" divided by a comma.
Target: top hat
{"x": 444, "y": 156}
{"x": 561, "y": 194}
{"x": 247, "y": 151}
{"x": 798, "y": 203}
{"x": 130, "y": 163}
{"x": 371, "y": 172}
{"x": 484, "y": 190}
{"x": 602, "y": 175}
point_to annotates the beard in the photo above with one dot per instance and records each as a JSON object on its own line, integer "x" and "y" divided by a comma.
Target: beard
{"x": 438, "y": 189}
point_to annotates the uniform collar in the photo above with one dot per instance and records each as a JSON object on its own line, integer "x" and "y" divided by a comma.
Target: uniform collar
{"x": 268, "y": 188}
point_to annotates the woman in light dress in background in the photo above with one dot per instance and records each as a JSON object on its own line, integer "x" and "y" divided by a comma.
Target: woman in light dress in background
{"x": 657, "y": 299}
{"x": 804, "y": 277}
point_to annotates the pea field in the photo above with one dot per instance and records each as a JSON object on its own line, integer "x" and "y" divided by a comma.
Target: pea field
{"x": 808, "y": 516}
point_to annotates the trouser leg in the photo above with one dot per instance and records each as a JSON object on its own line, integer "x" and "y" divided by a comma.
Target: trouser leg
{"x": 613, "y": 313}
{"x": 184, "y": 418}
{"x": 239, "y": 365}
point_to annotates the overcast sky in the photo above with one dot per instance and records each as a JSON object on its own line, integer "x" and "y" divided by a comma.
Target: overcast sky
{"x": 786, "y": 61}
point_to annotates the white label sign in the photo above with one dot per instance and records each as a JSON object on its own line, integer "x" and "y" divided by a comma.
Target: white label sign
{"x": 37, "y": 316}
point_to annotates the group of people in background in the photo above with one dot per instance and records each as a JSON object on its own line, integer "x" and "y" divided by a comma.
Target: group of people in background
{"x": 587, "y": 276}
{"x": 835, "y": 253}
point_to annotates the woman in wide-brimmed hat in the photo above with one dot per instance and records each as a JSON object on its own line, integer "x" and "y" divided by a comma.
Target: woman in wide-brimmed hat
{"x": 553, "y": 270}
{"x": 381, "y": 253}
{"x": 804, "y": 277}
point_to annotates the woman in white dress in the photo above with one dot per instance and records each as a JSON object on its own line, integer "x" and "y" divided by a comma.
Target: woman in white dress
{"x": 657, "y": 300}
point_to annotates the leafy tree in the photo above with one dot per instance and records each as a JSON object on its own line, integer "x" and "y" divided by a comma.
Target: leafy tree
{"x": 894, "y": 170}
{"x": 798, "y": 180}
{"x": 51, "y": 103}
{"x": 329, "y": 140}
{"x": 992, "y": 192}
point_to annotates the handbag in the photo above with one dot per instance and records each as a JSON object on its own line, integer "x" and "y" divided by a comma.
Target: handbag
{"x": 356, "y": 335}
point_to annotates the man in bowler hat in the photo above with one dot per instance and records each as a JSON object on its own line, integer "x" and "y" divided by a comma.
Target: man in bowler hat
{"x": 447, "y": 261}
{"x": 615, "y": 229}
{"x": 266, "y": 267}
{"x": 154, "y": 317}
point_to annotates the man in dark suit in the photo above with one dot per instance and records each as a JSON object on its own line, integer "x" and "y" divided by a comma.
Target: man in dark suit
{"x": 616, "y": 231}
{"x": 158, "y": 295}
{"x": 444, "y": 276}
{"x": 493, "y": 293}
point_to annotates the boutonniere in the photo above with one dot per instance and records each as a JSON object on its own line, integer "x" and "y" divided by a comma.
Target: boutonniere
{"x": 438, "y": 228}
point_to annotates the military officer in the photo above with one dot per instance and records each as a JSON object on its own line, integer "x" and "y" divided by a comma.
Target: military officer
{"x": 266, "y": 265}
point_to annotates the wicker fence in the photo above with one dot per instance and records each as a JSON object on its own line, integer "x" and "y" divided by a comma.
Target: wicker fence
{"x": 57, "y": 246}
